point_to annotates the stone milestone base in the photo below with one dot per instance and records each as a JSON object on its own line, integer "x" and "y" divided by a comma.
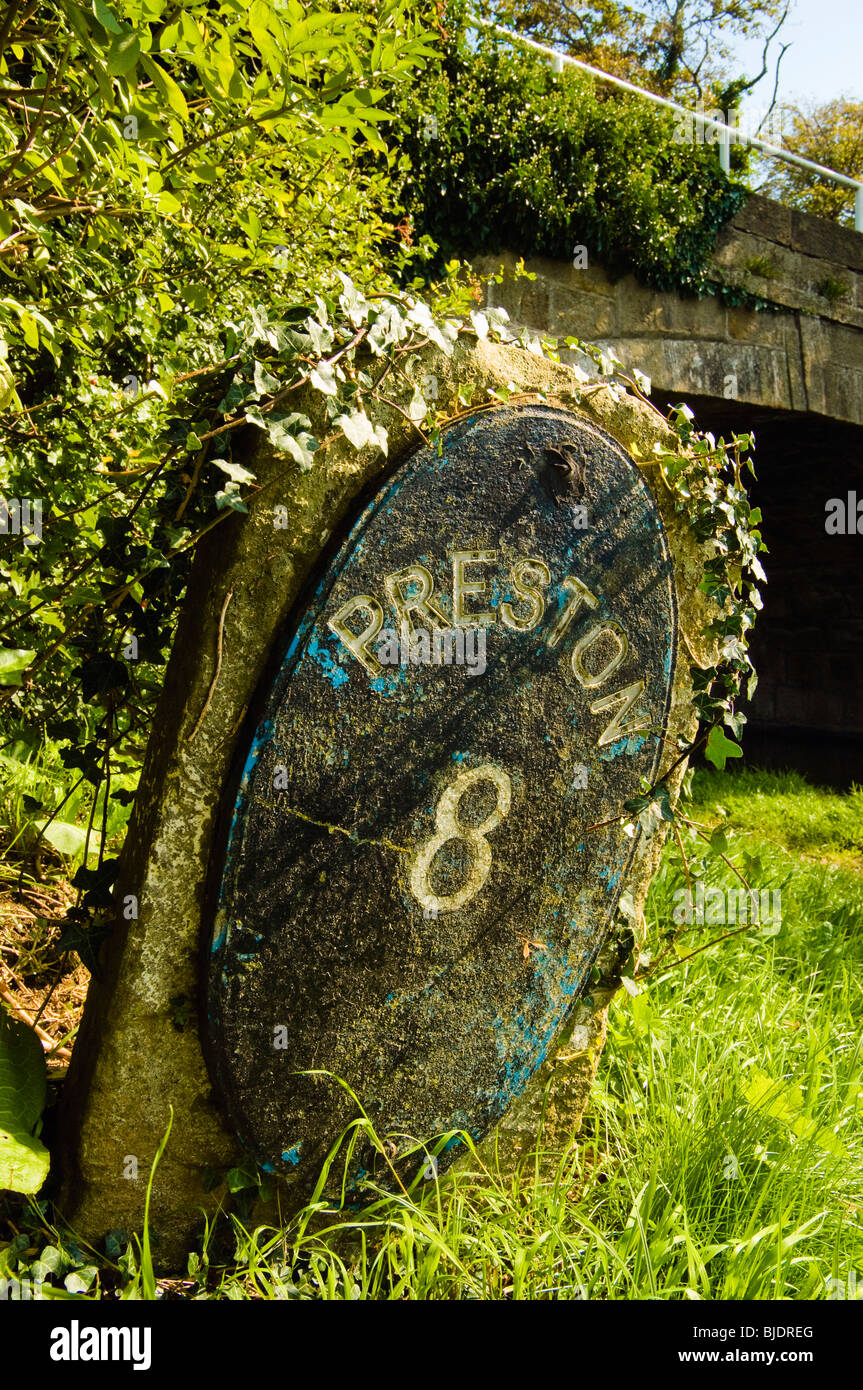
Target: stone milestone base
{"x": 139, "y": 1050}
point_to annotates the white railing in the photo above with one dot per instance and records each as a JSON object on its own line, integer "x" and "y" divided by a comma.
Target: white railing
{"x": 729, "y": 134}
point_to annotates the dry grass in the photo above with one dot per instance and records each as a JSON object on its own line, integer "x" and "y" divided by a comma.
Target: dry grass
{"x": 39, "y": 983}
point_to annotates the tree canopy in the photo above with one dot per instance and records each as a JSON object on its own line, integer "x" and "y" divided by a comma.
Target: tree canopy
{"x": 829, "y": 134}
{"x": 680, "y": 48}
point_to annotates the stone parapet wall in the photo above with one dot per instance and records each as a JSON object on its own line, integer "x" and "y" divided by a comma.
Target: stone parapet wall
{"x": 806, "y": 354}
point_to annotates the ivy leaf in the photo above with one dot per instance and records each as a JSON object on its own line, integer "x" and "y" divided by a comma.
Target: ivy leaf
{"x": 300, "y": 447}
{"x": 735, "y": 721}
{"x": 321, "y": 336}
{"x": 229, "y": 496}
{"x": 357, "y": 427}
{"x": 719, "y": 840}
{"x": 235, "y": 471}
{"x": 265, "y": 384}
{"x": 24, "y": 1161}
{"x": 238, "y": 1179}
{"x": 480, "y": 323}
{"x": 626, "y": 905}
{"x": 323, "y": 378}
{"x": 80, "y": 1280}
{"x": 719, "y": 748}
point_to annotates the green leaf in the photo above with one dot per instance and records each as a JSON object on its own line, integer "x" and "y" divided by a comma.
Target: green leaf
{"x": 626, "y": 905}
{"x": 719, "y": 748}
{"x": 480, "y": 323}
{"x": 300, "y": 447}
{"x": 735, "y": 721}
{"x": 168, "y": 88}
{"x": 13, "y": 663}
{"x": 106, "y": 18}
{"x": 69, "y": 839}
{"x": 235, "y": 471}
{"x": 80, "y": 1280}
{"x": 52, "y": 1260}
{"x": 258, "y": 17}
{"x": 124, "y": 53}
{"x": 719, "y": 840}
{"x": 783, "y": 1100}
{"x": 323, "y": 378}
{"x": 24, "y": 1161}
{"x": 265, "y": 384}
{"x": 238, "y": 1179}
{"x": 357, "y": 428}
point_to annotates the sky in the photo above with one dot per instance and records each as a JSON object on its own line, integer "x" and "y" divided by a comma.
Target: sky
{"x": 825, "y": 59}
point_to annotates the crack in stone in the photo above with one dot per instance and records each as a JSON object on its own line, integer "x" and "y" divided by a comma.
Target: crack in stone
{"x": 327, "y": 825}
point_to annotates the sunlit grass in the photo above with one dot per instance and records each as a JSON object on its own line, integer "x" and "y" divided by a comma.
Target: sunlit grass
{"x": 721, "y": 1155}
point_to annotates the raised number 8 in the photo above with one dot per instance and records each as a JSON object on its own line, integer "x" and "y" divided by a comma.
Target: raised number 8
{"x": 448, "y": 828}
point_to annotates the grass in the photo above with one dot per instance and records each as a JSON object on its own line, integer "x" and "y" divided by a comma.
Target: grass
{"x": 784, "y": 809}
{"x": 721, "y": 1156}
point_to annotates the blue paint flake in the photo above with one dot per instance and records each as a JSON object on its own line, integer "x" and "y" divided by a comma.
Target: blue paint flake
{"x": 633, "y": 744}
{"x": 334, "y": 672}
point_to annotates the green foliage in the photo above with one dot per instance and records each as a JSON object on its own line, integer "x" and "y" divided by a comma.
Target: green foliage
{"x": 833, "y": 289}
{"x": 719, "y": 748}
{"x": 785, "y": 808}
{"x": 165, "y": 173}
{"x": 13, "y": 663}
{"x": 720, "y": 1158}
{"x": 24, "y": 1160}
{"x": 831, "y": 135}
{"x": 765, "y": 266}
{"x": 708, "y": 486}
{"x": 682, "y": 49}
{"x": 506, "y": 155}
{"x": 61, "y": 1270}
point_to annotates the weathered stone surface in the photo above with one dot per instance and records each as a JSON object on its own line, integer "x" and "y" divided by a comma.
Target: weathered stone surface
{"x": 697, "y": 346}
{"x": 644, "y": 311}
{"x": 413, "y": 896}
{"x": 767, "y": 218}
{"x": 134, "y": 1058}
{"x": 818, "y": 236}
{"x": 572, "y": 313}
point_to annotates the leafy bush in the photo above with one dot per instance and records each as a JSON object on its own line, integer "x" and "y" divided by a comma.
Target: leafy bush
{"x": 506, "y": 155}
{"x": 165, "y": 172}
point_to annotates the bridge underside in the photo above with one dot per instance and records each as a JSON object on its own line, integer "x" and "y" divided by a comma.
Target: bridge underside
{"x": 808, "y": 642}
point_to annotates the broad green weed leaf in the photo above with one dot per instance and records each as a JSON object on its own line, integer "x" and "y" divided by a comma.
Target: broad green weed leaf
{"x": 24, "y": 1161}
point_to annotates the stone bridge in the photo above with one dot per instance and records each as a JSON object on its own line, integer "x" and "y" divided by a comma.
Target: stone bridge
{"x": 792, "y": 374}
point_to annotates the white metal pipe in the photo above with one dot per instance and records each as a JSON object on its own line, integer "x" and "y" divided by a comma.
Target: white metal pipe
{"x": 563, "y": 59}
